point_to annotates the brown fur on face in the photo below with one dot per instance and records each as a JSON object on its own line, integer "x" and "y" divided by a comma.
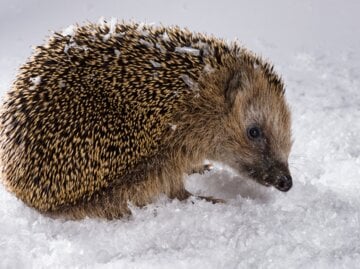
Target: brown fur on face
{"x": 255, "y": 101}
{"x": 232, "y": 100}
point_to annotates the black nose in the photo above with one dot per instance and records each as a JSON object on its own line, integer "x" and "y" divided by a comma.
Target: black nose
{"x": 284, "y": 183}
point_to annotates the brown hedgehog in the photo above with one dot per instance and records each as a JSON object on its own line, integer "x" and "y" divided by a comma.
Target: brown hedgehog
{"x": 110, "y": 113}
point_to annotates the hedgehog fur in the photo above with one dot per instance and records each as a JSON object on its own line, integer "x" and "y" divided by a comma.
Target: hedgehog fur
{"x": 110, "y": 113}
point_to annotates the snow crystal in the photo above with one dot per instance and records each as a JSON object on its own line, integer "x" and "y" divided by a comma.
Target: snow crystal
{"x": 189, "y": 50}
{"x": 36, "y": 80}
{"x": 117, "y": 52}
{"x": 73, "y": 44}
{"x": 112, "y": 25}
{"x": 67, "y": 47}
{"x": 173, "y": 127}
{"x": 102, "y": 22}
{"x": 112, "y": 28}
{"x": 142, "y": 30}
{"x": 62, "y": 84}
{"x": 106, "y": 37}
{"x": 208, "y": 69}
{"x": 160, "y": 47}
{"x": 155, "y": 64}
{"x": 188, "y": 81}
{"x": 69, "y": 31}
{"x": 146, "y": 43}
{"x": 141, "y": 26}
{"x": 144, "y": 33}
{"x": 165, "y": 36}
{"x": 204, "y": 46}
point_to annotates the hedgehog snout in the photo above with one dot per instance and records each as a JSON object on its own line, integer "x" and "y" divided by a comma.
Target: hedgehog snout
{"x": 283, "y": 183}
{"x": 280, "y": 176}
{"x": 276, "y": 175}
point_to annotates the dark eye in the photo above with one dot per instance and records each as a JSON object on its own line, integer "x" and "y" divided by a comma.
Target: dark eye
{"x": 254, "y": 133}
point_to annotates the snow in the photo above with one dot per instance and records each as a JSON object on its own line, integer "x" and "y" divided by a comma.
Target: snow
{"x": 142, "y": 31}
{"x": 62, "y": 84}
{"x": 188, "y": 81}
{"x": 146, "y": 43}
{"x": 36, "y": 80}
{"x": 173, "y": 127}
{"x": 189, "y": 50}
{"x": 315, "y": 46}
{"x": 117, "y": 53}
{"x": 160, "y": 47}
{"x": 73, "y": 44}
{"x": 155, "y": 64}
{"x": 165, "y": 37}
{"x": 112, "y": 27}
{"x": 68, "y": 46}
{"x": 208, "y": 69}
{"x": 69, "y": 31}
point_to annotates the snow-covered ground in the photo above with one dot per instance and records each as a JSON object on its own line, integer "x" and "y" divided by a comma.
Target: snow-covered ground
{"x": 315, "y": 45}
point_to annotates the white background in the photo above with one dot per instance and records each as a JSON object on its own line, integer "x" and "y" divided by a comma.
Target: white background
{"x": 315, "y": 46}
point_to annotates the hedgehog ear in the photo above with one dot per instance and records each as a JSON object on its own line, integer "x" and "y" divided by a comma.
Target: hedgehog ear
{"x": 232, "y": 87}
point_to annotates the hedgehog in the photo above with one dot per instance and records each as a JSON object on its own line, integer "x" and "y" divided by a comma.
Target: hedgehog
{"x": 113, "y": 113}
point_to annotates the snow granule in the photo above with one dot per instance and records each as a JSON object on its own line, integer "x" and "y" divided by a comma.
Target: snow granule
{"x": 142, "y": 28}
{"x": 36, "y": 80}
{"x": 165, "y": 36}
{"x": 111, "y": 25}
{"x": 160, "y": 47}
{"x": 208, "y": 69}
{"x": 155, "y": 64}
{"x": 117, "y": 52}
{"x": 146, "y": 43}
{"x": 173, "y": 127}
{"x": 62, "y": 84}
{"x": 73, "y": 44}
{"x": 69, "y": 31}
{"x": 102, "y": 22}
{"x": 193, "y": 51}
{"x": 188, "y": 81}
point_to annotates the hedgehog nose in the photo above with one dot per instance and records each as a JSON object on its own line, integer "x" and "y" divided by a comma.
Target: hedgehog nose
{"x": 284, "y": 183}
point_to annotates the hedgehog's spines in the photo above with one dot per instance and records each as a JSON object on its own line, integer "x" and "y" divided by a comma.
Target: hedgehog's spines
{"x": 97, "y": 100}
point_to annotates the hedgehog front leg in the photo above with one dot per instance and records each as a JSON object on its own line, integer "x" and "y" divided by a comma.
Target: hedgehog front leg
{"x": 181, "y": 194}
{"x": 212, "y": 199}
{"x": 184, "y": 195}
{"x": 170, "y": 184}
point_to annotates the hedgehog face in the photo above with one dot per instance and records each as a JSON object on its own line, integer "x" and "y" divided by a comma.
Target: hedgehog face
{"x": 258, "y": 134}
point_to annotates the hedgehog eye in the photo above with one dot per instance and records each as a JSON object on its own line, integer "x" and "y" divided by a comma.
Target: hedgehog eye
{"x": 253, "y": 133}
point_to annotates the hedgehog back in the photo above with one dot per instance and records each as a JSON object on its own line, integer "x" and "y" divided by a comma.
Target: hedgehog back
{"x": 92, "y": 104}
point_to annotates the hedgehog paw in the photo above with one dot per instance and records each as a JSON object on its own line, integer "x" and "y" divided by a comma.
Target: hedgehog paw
{"x": 211, "y": 199}
{"x": 202, "y": 169}
{"x": 182, "y": 195}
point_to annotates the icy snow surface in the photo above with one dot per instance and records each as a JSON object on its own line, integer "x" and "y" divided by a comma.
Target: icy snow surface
{"x": 315, "y": 46}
